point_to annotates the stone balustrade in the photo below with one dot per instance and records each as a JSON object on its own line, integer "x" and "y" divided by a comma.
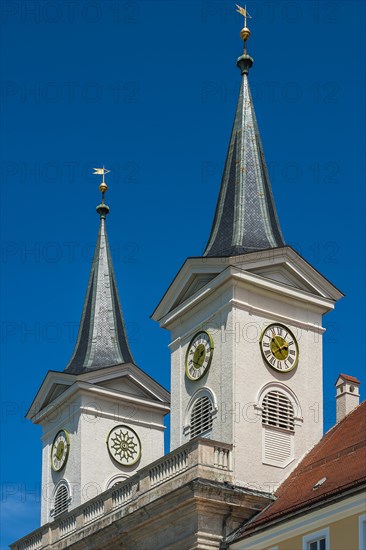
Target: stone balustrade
{"x": 200, "y": 458}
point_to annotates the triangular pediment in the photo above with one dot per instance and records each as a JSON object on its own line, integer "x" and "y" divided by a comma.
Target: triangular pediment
{"x": 54, "y": 385}
{"x": 128, "y": 387}
{"x": 282, "y": 273}
{"x": 129, "y": 379}
{"x": 194, "y": 283}
{"x": 126, "y": 381}
{"x": 55, "y": 391}
{"x": 285, "y": 270}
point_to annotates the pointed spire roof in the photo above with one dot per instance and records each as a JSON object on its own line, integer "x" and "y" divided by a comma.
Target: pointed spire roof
{"x": 245, "y": 218}
{"x": 102, "y": 339}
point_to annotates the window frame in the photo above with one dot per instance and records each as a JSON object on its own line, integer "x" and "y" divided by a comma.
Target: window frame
{"x": 314, "y": 537}
{"x": 200, "y": 393}
{"x": 273, "y": 435}
{"x": 62, "y": 483}
{"x": 291, "y": 396}
{"x": 362, "y": 532}
{"x": 202, "y": 409}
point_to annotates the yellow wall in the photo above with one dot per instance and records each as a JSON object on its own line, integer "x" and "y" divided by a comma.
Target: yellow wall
{"x": 343, "y": 535}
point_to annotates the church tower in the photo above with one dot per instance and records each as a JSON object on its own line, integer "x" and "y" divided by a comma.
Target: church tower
{"x": 246, "y": 323}
{"x": 102, "y": 417}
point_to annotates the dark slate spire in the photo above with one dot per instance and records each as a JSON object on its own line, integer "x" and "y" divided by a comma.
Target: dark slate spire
{"x": 102, "y": 339}
{"x": 246, "y": 218}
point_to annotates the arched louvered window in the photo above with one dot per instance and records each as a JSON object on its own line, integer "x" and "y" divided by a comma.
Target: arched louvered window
{"x": 278, "y": 410}
{"x": 201, "y": 416}
{"x": 61, "y": 500}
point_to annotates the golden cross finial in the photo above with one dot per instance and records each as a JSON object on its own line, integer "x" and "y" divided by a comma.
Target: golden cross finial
{"x": 103, "y": 187}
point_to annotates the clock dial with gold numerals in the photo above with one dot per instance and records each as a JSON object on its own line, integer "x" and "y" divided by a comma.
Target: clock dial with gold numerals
{"x": 199, "y": 355}
{"x": 60, "y": 450}
{"x": 279, "y": 347}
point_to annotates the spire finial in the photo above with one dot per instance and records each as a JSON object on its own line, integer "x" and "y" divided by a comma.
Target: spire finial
{"x": 245, "y": 32}
{"x": 102, "y": 208}
{"x": 245, "y": 61}
{"x": 103, "y": 187}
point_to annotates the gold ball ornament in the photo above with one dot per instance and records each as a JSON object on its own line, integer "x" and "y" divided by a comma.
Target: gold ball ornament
{"x": 103, "y": 187}
{"x": 244, "y": 34}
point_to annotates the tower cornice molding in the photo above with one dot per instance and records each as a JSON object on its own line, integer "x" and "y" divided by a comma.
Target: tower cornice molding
{"x": 254, "y": 264}
{"x": 84, "y": 388}
{"x": 251, "y": 280}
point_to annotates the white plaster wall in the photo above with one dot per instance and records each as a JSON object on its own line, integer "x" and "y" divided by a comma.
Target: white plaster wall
{"x": 345, "y": 403}
{"x": 89, "y": 467}
{"x": 96, "y": 474}
{"x": 235, "y": 317}
{"x": 252, "y": 373}
{"x": 65, "y": 417}
{"x": 214, "y": 317}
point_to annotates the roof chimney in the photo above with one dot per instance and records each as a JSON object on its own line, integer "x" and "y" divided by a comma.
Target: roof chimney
{"x": 347, "y": 396}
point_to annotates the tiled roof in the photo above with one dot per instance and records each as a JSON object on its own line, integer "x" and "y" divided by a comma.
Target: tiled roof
{"x": 245, "y": 218}
{"x": 339, "y": 457}
{"x": 348, "y": 378}
{"x": 102, "y": 339}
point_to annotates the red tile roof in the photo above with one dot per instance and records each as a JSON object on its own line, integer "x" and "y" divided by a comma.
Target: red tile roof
{"x": 349, "y": 378}
{"x": 340, "y": 457}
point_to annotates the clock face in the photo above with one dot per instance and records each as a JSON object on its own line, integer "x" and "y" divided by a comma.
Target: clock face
{"x": 199, "y": 355}
{"x": 60, "y": 450}
{"x": 279, "y": 347}
{"x": 124, "y": 445}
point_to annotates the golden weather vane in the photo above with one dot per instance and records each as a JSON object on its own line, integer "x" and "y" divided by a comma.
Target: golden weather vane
{"x": 103, "y": 187}
{"x": 244, "y": 13}
{"x": 245, "y": 32}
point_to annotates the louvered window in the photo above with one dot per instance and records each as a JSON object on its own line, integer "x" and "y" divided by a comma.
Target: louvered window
{"x": 278, "y": 411}
{"x": 201, "y": 416}
{"x": 61, "y": 501}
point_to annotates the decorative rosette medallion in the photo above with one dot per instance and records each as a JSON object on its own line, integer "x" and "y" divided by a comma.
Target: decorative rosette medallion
{"x": 124, "y": 445}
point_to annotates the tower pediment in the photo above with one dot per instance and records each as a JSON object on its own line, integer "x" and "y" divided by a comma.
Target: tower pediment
{"x": 195, "y": 282}
{"x": 283, "y": 274}
{"x": 281, "y": 270}
{"x": 125, "y": 381}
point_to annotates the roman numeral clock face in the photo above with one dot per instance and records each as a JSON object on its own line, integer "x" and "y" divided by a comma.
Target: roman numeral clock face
{"x": 279, "y": 348}
{"x": 60, "y": 450}
{"x": 199, "y": 355}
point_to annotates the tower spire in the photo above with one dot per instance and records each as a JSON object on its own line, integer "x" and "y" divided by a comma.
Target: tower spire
{"x": 245, "y": 218}
{"x": 102, "y": 339}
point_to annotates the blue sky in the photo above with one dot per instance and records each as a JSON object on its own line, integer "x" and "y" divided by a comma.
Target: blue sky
{"x": 149, "y": 89}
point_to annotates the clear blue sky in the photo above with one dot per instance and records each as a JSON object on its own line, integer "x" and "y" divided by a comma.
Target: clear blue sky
{"x": 149, "y": 89}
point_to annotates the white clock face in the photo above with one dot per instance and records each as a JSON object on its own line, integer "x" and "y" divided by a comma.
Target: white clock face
{"x": 60, "y": 450}
{"x": 124, "y": 445}
{"x": 279, "y": 348}
{"x": 199, "y": 355}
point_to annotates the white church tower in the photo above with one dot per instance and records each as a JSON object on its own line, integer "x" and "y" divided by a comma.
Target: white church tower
{"x": 246, "y": 324}
{"x": 246, "y": 381}
{"x": 103, "y": 417}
